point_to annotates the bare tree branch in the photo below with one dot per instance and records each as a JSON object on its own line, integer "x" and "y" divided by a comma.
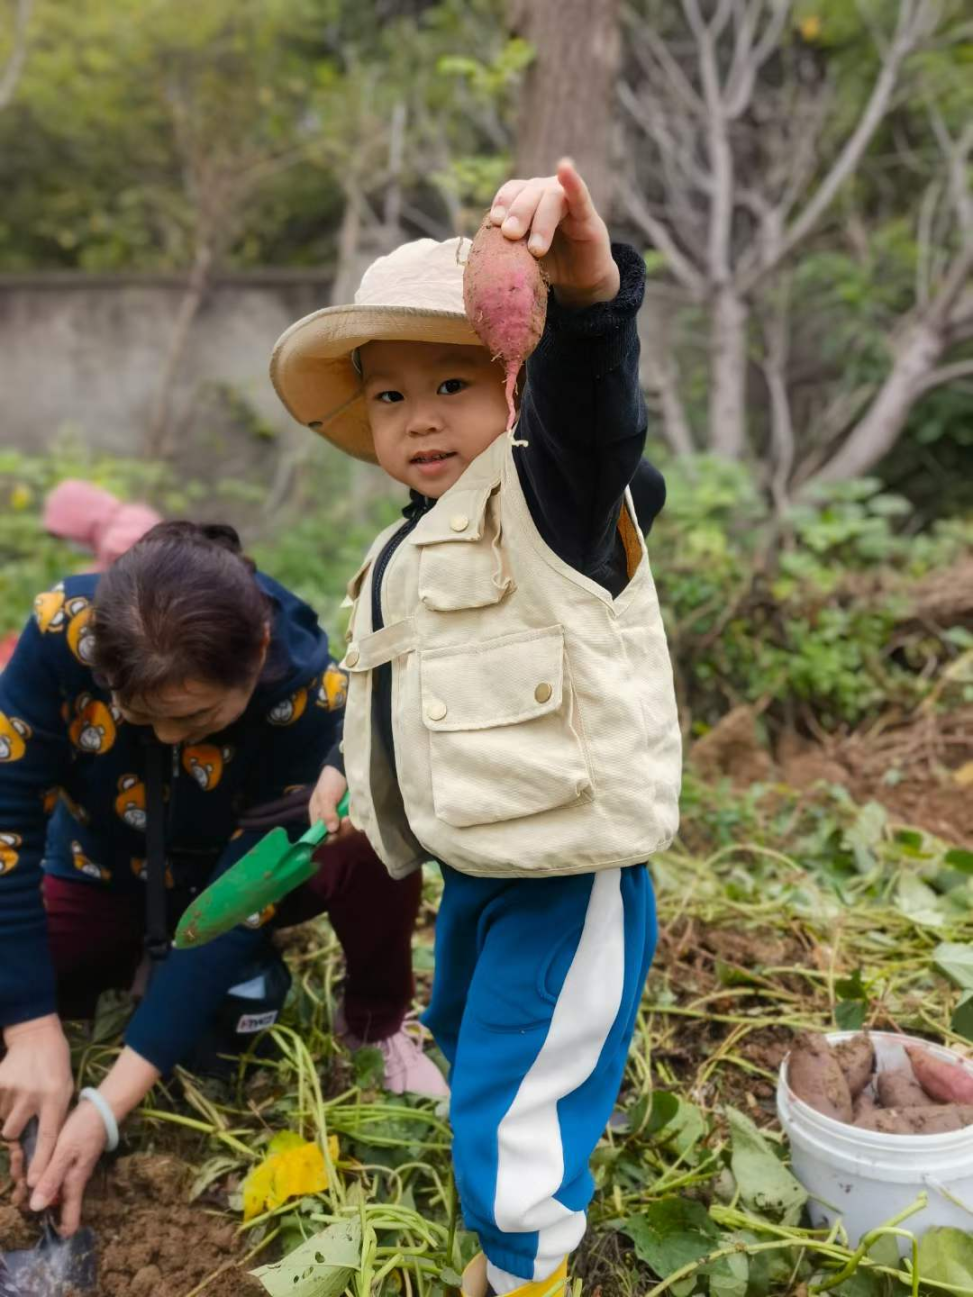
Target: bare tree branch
{"x": 649, "y": 48}
{"x": 748, "y": 58}
{"x": 18, "y": 55}
{"x": 916, "y": 19}
{"x": 943, "y": 375}
{"x": 660, "y": 238}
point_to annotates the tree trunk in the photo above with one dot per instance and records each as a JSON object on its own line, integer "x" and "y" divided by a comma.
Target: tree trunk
{"x": 728, "y": 375}
{"x": 660, "y": 372}
{"x": 569, "y": 94}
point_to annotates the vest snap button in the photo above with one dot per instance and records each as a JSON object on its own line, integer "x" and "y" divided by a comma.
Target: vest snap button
{"x": 352, "y": 657}
{"x": 459, "y": 522}
{"x": 543, "y": 692}
{"x": 436, "y": 709}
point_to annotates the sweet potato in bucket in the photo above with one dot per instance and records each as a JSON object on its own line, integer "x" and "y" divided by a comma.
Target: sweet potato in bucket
{"x": 900, "y": 1100}
{"x": 815, "y": 1076}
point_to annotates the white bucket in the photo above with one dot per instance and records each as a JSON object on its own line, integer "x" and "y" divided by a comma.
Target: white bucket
{"x": 865, "y": 1176}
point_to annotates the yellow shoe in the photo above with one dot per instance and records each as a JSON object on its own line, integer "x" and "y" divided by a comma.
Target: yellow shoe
{"x": 475, "y": 1281}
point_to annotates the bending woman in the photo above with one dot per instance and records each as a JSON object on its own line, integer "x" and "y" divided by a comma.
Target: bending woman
{"x": 180, "y": 649}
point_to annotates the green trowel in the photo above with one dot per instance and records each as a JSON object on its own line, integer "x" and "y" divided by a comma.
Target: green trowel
{"x": 262, "y": 877}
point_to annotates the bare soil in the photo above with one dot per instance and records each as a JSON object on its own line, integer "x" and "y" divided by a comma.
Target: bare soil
{"x": 150, "y": 1239}
{"x": 919, "y": 767}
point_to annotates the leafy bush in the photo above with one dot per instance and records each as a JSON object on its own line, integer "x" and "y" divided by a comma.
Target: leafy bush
{"x": 808, "y": 613}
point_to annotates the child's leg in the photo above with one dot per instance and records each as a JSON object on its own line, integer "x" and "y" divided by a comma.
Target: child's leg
{"x": 373, "y": 916}
{"x": 540, "y": 1055}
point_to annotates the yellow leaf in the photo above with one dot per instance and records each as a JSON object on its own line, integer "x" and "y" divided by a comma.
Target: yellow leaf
{"x": 964, "y": 775}
{"x": 811, "y": 27}
{"x": 21, "y": 497}
{"x": 293, "y": 1167}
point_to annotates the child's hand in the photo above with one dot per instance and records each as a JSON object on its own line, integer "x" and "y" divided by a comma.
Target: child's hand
{"x": 566, "y": 234}
{"x": 328, "y": 792}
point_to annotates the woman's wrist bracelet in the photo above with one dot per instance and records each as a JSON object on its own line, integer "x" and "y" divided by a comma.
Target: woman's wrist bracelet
{"x": 103, "y": 1107}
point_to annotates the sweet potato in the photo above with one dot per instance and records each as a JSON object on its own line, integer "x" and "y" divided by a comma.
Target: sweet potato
{"x": 815, "y": 1076}
{"x": 856, "y": 1058}
{"x": 947, "y": 1082}
{"x": 505, "y": 295}
{"x": 898, "y": 1088}
{"x": 933, "y": 1119}
{"x": 864, "y": 1105}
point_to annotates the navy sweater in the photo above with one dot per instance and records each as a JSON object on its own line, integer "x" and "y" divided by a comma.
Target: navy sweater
{"x": 72, "y": 800}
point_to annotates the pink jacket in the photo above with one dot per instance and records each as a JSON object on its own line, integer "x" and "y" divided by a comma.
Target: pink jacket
{"x": 90, "y": 516}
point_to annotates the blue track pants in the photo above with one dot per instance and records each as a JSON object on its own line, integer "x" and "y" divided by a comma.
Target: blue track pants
{"x": 536, "y": 991}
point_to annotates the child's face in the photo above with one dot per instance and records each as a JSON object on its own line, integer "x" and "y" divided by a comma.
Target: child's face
{"x": 433, "y": 408}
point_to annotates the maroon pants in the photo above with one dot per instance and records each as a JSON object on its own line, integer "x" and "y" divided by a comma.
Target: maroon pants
{"x": 96, "y": 937}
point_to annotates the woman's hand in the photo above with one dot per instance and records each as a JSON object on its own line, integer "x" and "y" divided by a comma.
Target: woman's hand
{"x": 81, "y": 1143}
{"x": 327, "y": 794}
{"x": 35, "y": 1081}
{"x": 83, "y": 1138}
{"x": 564, "y": 232}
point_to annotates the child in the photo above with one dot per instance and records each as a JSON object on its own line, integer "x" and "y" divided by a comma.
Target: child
{"x": 511, "y": 710}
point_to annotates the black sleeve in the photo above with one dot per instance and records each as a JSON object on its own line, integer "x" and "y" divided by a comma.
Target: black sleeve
{"x": 648, "y": 494}
{"x": 584, "y": 420}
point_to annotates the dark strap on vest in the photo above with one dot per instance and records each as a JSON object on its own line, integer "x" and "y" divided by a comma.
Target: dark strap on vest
{"x": 156, "y": 910}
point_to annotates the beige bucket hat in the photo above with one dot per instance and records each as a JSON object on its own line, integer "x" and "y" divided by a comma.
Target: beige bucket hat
{"x": 415, "y": 294}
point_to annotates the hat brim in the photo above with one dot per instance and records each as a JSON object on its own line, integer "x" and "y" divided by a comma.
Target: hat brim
{"x": 312, "y": 371}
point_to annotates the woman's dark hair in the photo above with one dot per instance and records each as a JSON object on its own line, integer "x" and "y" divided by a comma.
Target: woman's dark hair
{"x": 182, "y": 604}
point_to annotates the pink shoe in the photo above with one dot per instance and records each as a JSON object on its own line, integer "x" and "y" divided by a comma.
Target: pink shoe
{"x": 407, "y": 1069}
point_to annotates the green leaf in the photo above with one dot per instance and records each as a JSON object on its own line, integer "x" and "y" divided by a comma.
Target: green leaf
{"x": 946, "y": 1257}
{"x": 851, "y": 988}
{"x": 962, "y": 1019}
{"x": 769, "y": 1271}
{"x": 918, "y": 902}
{"x": 671, "y": 1233}
{"x": 685, "y": 1130}
{"x": 729, "y": 1276}
{"x": 959, "y": 859}
{"x": 766, "y": 1186}
{"x": 321, "y": 1267}
{"x": 849, "y": 1015}
{"x": 369, "y": 1065}
{"x": 954, "y": 960}
{"x": 665, "y": 1105}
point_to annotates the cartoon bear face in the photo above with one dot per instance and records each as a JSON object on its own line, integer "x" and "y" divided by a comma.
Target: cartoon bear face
{"x": 206, "y": 763}
{"x": 81, "y": 636}
{"x": 288, "y": 710}
{"x": 95, "y": 725}
{"x": 88, "y": 867}
{"x": 9, "y": 853}
{"x": 130, "y": 802}
{"x": 14, "y": 734}
{"x": 49, "y": 610}
{"x": 333, "y": 693}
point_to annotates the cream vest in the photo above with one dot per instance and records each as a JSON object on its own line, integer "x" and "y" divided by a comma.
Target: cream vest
{"x": 534, "y": 716}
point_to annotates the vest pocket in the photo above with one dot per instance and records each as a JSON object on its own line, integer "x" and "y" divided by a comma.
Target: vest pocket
{"x": 461, "y": 563}
{"x": 505, "y": 738}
